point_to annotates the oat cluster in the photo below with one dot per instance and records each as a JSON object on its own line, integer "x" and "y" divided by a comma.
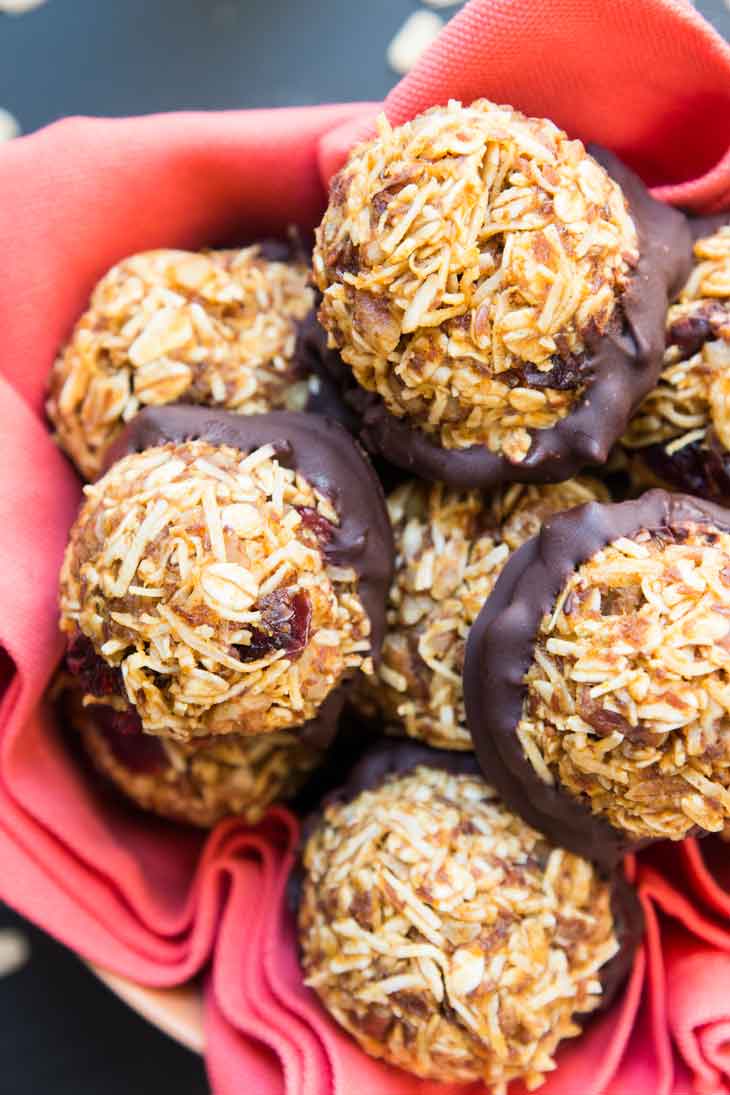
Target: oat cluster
{"x": 450, "y": 548}
{"x": 200, "y": 572}
{"x": 447, "y": 936}
{"x": 202, "y": 782}
{"x": 463, "y": 257}
{"x": 693, "y": 394}
{"x": 216, "y": 328}
{"x": 628, "y": 702}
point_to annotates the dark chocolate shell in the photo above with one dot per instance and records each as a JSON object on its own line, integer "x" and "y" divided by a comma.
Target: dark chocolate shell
{"x": 500, "y": 652}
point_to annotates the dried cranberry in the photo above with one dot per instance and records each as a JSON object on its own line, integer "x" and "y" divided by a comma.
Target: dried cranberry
{"x": 128, "y": 723}
{"x": 323, "y": 529}
{"x": 93, "y": 673}
{"x": 122, "y": 732}
{"x": 605, "y": 722}
{"x": 701, "y": 469}
{"x": 690, "y": 333}
{"x": 564, "y": 374}
{"x": 285, "y": 621}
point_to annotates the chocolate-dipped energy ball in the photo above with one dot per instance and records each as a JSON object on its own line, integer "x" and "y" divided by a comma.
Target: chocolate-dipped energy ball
{"x": 231, "y": 582}
{"x": 197, "y": 782}
{"x": 680, "y": 436}
{"x": 217, "y": 328}
{"x": 450, "y": 548}
{"x": 597, "y": 676}
{"x": 497, "y": 295}
{"x": 447, "y": 936}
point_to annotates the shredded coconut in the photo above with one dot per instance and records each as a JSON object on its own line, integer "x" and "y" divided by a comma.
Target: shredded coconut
{"x": 450, "y": 549}
{"x": 202, "y": 782}
{"x": 217, "y": 328}
{"x": 628, "y": 704}
{"x": 241, "y": 626}
{"x": 448, "y": 937}
{"x": 462, "y": 258}
{"x": 692, "y": 397}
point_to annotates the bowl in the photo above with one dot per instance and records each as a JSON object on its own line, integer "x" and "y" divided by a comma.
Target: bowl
{"x": 177, "y": 1012}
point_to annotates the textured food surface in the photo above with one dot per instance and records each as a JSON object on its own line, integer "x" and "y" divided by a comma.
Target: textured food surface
{"x": 201, "y": 575}
{"x": 450, "y": 548}
{"x": 199, "y": 782}
{"x": 463, "y": 258}
{"x": 628, "y": 695}
{"x": 217, "y": 328}
{"x": 446, "y": 935}
{"x": 693, "y": 395}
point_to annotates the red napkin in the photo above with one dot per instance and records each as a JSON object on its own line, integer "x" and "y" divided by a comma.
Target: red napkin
{"x": 157, "y": 903}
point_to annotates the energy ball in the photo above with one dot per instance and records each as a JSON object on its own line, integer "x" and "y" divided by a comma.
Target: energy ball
{"x": 496, "y": 294}
{"x": 449, "y": 938}
{"x": 218, "y": 328}
{"x": 680, "y": 436}
{"x": 196, "y": 782}
{"x": 230, "y": 576}
{"x": 450, "y": 547}
{"x": 597, "y": 676}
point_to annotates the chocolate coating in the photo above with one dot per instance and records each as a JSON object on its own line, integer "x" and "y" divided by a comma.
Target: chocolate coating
{"x": 314, "y": 357}
{"x": 333, "y": 464}
{"x": 707, "y": 226}
{"x": 619, "y": 368}
{"x": 500, "y": 651}
{"x": 396, "y": 759}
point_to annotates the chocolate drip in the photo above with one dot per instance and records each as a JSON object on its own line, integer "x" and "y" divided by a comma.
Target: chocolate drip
{"x": 707, "y": 226}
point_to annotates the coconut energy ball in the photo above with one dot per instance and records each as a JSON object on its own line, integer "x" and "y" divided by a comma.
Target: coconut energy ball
{"x": 618, "y": 732}
{"x": 211, "y": 585}
{"x": 217, "y": 328}
{"x": 478, "y": 269}
{"x": 197, "y": 782}
{"x": 449, "y": 938}
{"x": 680, "y": 436}
{"x": 450, "y": 548}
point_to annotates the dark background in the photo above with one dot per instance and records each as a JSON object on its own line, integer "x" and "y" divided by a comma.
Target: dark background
{"x": 60, "y": 1029}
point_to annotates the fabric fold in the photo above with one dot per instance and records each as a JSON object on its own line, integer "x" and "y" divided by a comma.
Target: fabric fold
{"x": 697, "y": 979}
{"x": 584, "y": 65}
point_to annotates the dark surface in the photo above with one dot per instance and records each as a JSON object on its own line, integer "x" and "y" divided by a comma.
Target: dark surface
{"x": 137, "y": 56}
{"x": 61, "y": 1030}
{"x": 107, "y": 57}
